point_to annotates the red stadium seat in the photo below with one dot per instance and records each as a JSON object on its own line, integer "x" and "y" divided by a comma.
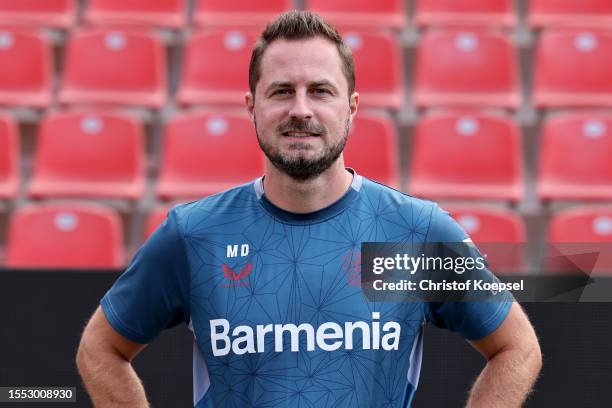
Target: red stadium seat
{"x": 584, "y": 230}
{"x": 205, "y": 153}
{"x": 40, "y": 13}
{"x": 155, "y": 218}
{"x": 9, "y": 158}
{"x": 361, "y": 13}
{"x": 466, "y": 69}
{"x": 207, "y": 76}
{"x": 473, "y": 13}
{"x": 576, "y": 157}
{"x": 114, "y": 67}
{"x": 89, "y": 155}
{"x": 156, "y": 13}
{"x": 582, "y": 224}
{"x": 485, "y": 224}
{"x": 499, "y": 233}
{"x": 75, "y": 235}
{"x": 26, "y": 66}
{"x": 469, "y": 156}
{"x": 378, "y": 69}
{"x": 239, "y": 13}
{"x": 372, "y": 148}
{"x": 570, "y": 13}
{"x": 572, "y": 68}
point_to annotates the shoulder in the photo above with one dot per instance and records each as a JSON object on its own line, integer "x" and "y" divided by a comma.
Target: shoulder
{"x": 373, "y": 190}
{"x": 227, "y": 205}
{"x": 441, "y": 227}
{"x": 381, "y": 195}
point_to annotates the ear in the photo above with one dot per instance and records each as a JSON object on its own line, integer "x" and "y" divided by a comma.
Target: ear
{"x": 353, "y": 104}
{"x": 249, "y": 101}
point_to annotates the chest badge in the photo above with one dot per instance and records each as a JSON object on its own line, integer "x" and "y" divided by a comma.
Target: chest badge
{"x": 233, "y": 276}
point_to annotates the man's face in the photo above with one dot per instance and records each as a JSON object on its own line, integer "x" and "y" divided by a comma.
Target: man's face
{"x": 301, "y": 109}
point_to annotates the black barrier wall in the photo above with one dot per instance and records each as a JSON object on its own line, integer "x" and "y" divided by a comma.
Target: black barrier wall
{"x": 43, "y": 314}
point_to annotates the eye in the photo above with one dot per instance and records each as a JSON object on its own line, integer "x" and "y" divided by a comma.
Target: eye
{"x": 281, "y": 92}
{"x": 321, "y": 91}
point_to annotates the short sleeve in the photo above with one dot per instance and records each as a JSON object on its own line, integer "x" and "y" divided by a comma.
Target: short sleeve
{"x": 472, "y": 319}
{"x": 153, "y": 292}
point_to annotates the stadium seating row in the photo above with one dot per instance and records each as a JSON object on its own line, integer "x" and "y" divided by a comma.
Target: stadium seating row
{"x": 110, "y": 67}
{"x": 452, "y": 68}
{"x": 359, "y": 13}
{"x": 502, "y": 13}
{"x": 459, "y": 155}
{"x": 455, "y": 155}
{"x": 145, "y": 13}
{"x": 90, "y": 235}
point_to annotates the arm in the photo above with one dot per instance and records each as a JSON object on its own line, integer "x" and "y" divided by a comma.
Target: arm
{"x": 513, "y": 363}
{"x": 103, "y": 360}
{"x": 150, "y": 296}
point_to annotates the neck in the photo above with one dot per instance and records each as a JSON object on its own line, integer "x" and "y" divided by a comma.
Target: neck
{"x": 310, "y": 195}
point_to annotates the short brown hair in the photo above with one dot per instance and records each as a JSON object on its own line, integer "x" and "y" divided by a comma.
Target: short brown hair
{"x": 297, "y": 25}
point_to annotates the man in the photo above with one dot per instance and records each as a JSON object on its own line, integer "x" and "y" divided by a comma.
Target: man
{"x": 262, "y": 272}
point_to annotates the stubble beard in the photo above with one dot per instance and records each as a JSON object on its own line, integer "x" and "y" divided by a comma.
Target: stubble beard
{"x": 298, "y": 166}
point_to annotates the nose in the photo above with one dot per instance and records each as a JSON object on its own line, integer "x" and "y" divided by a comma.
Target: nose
{"x": 300, "y": 106}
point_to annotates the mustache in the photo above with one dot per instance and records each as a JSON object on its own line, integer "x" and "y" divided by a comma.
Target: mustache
{"x": 299, "y": 125}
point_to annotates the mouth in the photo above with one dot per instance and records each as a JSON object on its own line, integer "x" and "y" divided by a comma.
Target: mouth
{"x": 298, "y": 134}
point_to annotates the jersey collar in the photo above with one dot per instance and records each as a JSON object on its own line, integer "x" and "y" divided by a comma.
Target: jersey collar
{"x": 312, "y": 217}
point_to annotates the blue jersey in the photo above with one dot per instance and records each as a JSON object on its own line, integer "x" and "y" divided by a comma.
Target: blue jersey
{"x": 274, "y": 301}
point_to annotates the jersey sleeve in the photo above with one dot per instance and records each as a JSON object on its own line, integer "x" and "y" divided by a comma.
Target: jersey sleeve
{"x": 153, "y": 292}
{"x": 472, "y": 319}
